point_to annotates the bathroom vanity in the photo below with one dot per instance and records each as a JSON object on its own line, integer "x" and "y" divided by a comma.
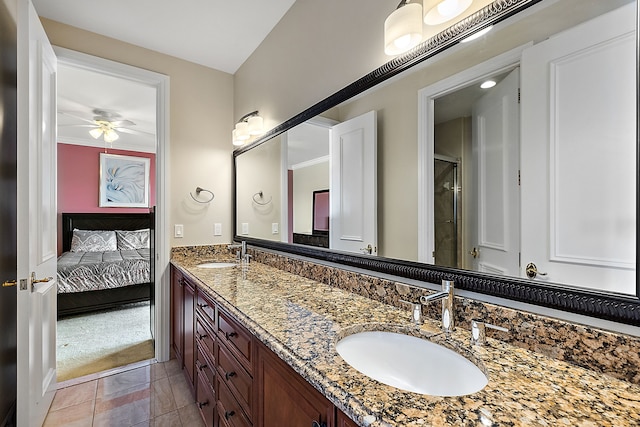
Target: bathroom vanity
{"x": 264, "y": 350}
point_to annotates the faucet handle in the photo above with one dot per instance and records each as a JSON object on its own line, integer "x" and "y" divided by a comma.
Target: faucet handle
{"x": 416, "y": 311}
{"x": 478, "y": 331}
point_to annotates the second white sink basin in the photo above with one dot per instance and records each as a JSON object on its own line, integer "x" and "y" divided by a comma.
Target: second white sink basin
{"x": 217, "y": 265}
{"x": 411, "y": 364}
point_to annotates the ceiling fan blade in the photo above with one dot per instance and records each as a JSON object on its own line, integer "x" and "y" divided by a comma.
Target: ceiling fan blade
{"x": 76, "y": 125}
{"x": 134, "y": 131}
{"x": 119, "y": 123}
{"x": 75, "y": 116}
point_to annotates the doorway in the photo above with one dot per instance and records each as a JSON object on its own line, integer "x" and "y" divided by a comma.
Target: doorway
{"x": 78, "y": 118}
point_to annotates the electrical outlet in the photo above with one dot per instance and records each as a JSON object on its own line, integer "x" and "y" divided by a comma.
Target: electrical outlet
{"x": 217, "y": 229}
{"x": 245, "y": 228}
{"x": 178, "y": 231}
{"x": 274, "y": 228}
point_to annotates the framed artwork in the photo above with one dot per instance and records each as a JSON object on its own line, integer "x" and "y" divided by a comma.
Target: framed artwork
{"x": 124, "y": 181}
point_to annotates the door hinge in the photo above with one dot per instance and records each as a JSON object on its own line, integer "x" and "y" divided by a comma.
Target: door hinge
{"x": 518, "y": 95}
{"x": 518, "y": 177}
{"x": 519, "y": 259}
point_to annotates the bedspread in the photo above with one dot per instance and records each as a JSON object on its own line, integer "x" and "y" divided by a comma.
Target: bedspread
{"x": 88, "y": 271}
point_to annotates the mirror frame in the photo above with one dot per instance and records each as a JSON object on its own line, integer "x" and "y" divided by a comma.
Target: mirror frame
{"x": 613, "y": 307}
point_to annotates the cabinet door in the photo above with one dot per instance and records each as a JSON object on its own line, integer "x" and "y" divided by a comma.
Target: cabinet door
{"x": 285, "y": 399}
{"x": 177, "y": 314}
{"x": 343, "y": 421}
{"x": 189, "y": 335}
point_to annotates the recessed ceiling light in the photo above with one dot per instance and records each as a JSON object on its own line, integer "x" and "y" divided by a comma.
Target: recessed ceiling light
{"x": 488, "y": 84}
{"x": 477, "y": 35}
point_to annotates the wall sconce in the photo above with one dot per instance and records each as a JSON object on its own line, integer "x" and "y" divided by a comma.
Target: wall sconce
{"x": 439, "y": 11}
{"x": 104, "y": 128}
{"x": 403, "y": 28}
{"x": 249, "y": 125}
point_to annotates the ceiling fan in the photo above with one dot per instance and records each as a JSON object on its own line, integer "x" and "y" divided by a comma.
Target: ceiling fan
{"x": 105, "y": 124}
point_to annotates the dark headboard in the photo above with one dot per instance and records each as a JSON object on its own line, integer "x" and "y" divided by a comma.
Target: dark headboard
{"x": 102, "y": 221}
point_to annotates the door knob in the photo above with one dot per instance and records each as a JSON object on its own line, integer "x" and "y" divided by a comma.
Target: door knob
{"x": 34, "y": 280}
{"x": 367, "y": 250}
{"x": 474, "y": 252}
{"x": 532, "y": 271}
{"x": 9, "y": 283}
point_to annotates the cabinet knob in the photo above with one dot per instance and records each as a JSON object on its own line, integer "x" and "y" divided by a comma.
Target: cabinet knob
{"x": 201, "y": 336}
{"x": 317, "y": 424}
{"x": 229, "y": 414}
{"x": 201, "y": 305}
{"x": 203, "y": 404}
{"x": 230, "y": 334}
{"x": 228, "y": 375}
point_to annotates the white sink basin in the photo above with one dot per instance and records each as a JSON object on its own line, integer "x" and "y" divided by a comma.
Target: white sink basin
{"x": 217, "y": 265}
{"x": 411, "y": 364}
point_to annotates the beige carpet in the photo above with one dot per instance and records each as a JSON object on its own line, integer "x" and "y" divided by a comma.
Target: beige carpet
{"x": 95, "y": 342}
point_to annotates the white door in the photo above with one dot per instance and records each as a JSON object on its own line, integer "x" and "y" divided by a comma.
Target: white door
{"x": 579, "y": 154}
{"x": 36, "y": 207}
{"x": 495, "y": 229}
{"x": 353, "y": 184}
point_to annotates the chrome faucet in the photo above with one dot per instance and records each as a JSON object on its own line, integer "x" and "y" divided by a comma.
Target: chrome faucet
{"x": 242, "y": 253}
{"x": 446, "y": 295}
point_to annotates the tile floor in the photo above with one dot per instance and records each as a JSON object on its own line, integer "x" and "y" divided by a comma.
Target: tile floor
{"x": 154, "y": 394}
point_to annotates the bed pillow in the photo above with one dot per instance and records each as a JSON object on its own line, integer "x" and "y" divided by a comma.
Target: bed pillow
{"x": 93, "y": 241}
{"x": 129, "y": 240}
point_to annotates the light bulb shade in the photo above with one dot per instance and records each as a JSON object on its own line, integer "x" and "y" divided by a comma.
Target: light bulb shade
{"x": 110, "y": 135}
{"x": 95, "y": 132}
{"x": 235, "y": 140}
{"x": 242, "y": 131}
{"x": 440, "y": 11}
{"x": 255, "y": 125}
{"x": 403, "y": 29}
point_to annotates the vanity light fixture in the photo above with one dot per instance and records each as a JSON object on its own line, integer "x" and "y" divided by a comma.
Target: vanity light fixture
{"x": 104, "y": 129}
{"x": 477, "y": 35}
{"x": 488, "y": 84}
{"x": 403, "y": 28}
{"x": 440, "y": 11}
{"x": 249, "y": 125}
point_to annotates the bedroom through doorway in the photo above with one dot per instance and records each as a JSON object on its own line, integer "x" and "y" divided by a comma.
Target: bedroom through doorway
{"x": 106, "y": 173}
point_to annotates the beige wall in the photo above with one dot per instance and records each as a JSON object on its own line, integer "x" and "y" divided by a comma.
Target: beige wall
{"x": 201, "y": 114}
{"x": 305, "y": 181}
{"x": 260, "y": 170}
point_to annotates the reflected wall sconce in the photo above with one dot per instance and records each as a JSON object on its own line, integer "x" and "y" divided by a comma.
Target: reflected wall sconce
{"x": 437, "y": 12}
{"x": 403, "y": 28}
{"x": 248, "y": 126}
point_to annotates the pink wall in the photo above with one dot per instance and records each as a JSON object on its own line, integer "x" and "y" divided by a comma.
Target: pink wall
{"x": 78, "y": 177}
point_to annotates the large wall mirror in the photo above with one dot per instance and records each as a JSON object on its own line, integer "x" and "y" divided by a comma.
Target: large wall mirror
{"x": 526, "y": 189}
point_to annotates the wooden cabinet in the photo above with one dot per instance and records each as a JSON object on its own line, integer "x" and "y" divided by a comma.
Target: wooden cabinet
{"x": 238, "y": 381}
{"x": 177, "y": 314}
{"x": 182, "y": 322}
{"x": 286, "y": 399}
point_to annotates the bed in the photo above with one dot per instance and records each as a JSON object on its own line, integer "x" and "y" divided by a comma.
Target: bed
{"x": 107, "y": 263}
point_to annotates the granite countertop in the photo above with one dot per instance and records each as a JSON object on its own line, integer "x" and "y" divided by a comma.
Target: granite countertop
{"x": 301, "y": 320}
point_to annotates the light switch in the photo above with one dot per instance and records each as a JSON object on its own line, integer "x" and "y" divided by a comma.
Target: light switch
{"x": 245, "y": 228}
{"x": 274, "y": 228}
{"x": 217, "y": 229}
{"x": 178, "y": 231}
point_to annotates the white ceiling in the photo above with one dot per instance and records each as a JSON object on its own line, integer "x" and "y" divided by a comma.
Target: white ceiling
{"x": 214, "y": 33}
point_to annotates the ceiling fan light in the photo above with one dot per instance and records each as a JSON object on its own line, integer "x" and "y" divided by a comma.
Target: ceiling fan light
{"x": 95, "y": 133}
{"x": 440, "y": 11}
{"x": 255, "y": 124}
{"x": 403, "y": 29}
{"x": 110, "y": 135}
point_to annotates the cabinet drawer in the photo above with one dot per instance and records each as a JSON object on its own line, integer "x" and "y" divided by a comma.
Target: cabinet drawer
{"x": 204, "y": 337}
{"x": 235, "y": 377}
{"x": 237, "y": 338}
{"x": 206, "y": 308}
{"x": 205, "y": 368}
{"x": 229, "y": 411}
{"x": 205, "y": 399}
